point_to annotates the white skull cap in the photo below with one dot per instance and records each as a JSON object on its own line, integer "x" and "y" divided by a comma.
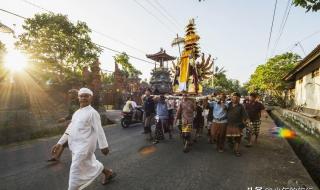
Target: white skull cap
{"x": 85, "y": 91}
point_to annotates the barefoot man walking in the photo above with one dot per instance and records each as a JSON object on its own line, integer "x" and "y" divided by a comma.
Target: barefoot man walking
{"x": 82, "y": 135}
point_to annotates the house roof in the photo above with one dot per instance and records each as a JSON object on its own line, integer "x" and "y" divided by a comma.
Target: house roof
{"x": 303, "y": 63}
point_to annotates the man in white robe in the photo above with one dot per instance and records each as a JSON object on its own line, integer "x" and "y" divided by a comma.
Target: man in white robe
{"x": 82, "y": 135}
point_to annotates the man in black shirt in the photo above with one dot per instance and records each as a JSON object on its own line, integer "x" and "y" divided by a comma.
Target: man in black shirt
{"x": 149, "y": 111}
{"x": 237, "y": 116}
{"x": 254, "y": 109}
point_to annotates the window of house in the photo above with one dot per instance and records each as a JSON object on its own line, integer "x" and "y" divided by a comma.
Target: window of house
{"x": 315, "y": 73}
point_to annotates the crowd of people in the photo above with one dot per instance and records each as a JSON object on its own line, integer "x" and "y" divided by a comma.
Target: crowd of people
{"x": 225, "y": 117}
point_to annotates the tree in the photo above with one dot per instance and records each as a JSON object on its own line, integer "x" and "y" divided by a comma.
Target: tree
{"x": 313, "y": 5}
{"x": 59, "y": 48}
{"x": 108, "y": 78}
{"x": 127, "y": 67}
{"x": 267, "y": 78}
{"x": 2, "y": 54}
{"x": 218, "y": 70}
{"x": 220, "y": 82}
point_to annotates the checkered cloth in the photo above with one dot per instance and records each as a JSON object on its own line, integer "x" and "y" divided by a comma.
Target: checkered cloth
{"x": 253, "y": 128}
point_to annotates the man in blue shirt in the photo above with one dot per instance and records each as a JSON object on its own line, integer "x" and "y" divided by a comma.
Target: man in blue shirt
{"x": 219, "y": 126}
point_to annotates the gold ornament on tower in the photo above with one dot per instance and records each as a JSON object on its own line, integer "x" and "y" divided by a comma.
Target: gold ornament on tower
{"x": 188, "y": 71}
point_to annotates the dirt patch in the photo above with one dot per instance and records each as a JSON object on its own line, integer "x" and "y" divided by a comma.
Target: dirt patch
{"x": 146, "y": 150}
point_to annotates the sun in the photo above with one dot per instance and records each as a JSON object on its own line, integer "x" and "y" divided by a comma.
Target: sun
{"x": 15, "y": 61}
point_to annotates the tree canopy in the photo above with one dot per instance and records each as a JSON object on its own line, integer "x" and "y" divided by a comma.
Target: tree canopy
{"x": 59, "y": 48}
{"x": 267, "y": 78}
{"x": 313, "y": 5}
{"x": 220, "y": 82}
{"x": 127, "y": 67}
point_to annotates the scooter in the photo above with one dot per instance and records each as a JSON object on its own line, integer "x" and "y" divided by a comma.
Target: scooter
{"x": 126, "y": 119}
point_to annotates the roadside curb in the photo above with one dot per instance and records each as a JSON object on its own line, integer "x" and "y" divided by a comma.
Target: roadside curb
{"x": 306, "y": 147}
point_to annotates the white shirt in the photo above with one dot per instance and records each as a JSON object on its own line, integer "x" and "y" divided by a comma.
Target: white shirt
{"x": 133, "y": 104}
{"x": 84, "y": 131}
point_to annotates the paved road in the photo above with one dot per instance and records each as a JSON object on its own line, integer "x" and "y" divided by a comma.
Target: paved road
{"x": 143, "y": 166}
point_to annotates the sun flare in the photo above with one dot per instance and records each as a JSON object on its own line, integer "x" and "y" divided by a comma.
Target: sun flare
{"x": 15, "y": 61}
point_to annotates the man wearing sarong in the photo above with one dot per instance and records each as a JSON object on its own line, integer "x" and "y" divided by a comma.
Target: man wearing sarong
{"x": 209, "y": 119}
{"x": 171, "y": 109}
{"x": 254, "y": 109}
{"x": 219, "y": 125}
{"x": 185, "y": 111}
{"x": 198, "y": 120}
{"x": 82, "y": 134}
{"x": 237, "y": 117}
{"x": 149, "y": 112}
{"x": 162, "y": 117}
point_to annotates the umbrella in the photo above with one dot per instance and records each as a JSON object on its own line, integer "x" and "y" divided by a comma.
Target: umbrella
{"x": 177, "y": 41}
{"x": 5, "y": 29}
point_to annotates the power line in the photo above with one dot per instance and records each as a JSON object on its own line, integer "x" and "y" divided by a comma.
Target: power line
{"x": 309, "y": 36}
{"x": 302, "y": 48}
{"x": 102, "y": 46}
{"x": 150, "y": 13}
{"x": 117, "y": 51}
{"x": 116, "y": 40}
{"x": 35, "y": 5}
{"x": 270, "y": 33}
{"x": 283, "y": 24}
{"x": 13, "y": 14}
{"x": 93, "y": 30}
{"x": 167, "y": 12}
{"x": 303, "y": 39}
{"x": 164, "y": 15}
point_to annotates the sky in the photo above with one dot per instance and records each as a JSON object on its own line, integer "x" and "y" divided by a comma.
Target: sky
{"x": 235, "y": 32}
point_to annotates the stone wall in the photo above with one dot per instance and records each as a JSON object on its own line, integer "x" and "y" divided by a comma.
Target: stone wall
{"x": 309, "y": 125}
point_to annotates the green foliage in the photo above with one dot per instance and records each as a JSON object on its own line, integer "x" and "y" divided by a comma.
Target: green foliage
{"x": 108, "y": 78}
{"x": 221, "y": 83}
{"x": 267, "y": 78}
{"x": 218, "y": 70}
{"x": 128, "y": 69}
{"x": 313, "y": 5}
{"x": 59, "y": 48}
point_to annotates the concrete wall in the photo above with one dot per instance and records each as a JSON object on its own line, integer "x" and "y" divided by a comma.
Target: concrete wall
{"x": 307, "y": 147}
{"x": 307, "y": 93}
{"x": 309, "y": 125}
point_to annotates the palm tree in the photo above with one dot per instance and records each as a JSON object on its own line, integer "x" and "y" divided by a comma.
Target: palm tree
{"x": 217, "y": 71}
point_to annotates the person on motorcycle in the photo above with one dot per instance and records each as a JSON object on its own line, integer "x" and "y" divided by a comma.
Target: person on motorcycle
{"x": 128, "y": 107}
